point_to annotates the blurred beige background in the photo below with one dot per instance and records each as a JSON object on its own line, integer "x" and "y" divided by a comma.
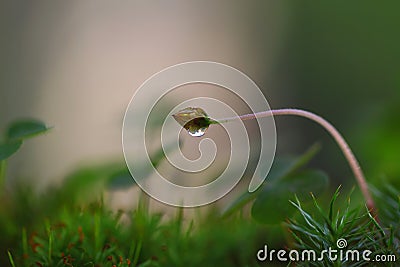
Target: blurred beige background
{"x": 76, "y": 64}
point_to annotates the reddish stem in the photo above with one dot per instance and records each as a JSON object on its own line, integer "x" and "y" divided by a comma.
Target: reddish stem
{"x": 351, "y": 159}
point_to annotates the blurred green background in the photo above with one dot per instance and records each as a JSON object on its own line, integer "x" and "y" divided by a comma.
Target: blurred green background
{"x": 342, "y": 61}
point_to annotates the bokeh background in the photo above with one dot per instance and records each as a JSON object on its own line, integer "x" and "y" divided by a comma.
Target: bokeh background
{"x": 76, "y": 64}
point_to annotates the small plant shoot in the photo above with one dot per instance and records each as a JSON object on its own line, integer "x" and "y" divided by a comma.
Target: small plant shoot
{"x": 16, "y": 133}
{"x": 196, "y": 122}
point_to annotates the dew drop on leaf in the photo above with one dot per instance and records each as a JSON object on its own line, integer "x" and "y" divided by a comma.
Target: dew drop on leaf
{"x": 194, "y": 120}
{"x": 196, "y": 127}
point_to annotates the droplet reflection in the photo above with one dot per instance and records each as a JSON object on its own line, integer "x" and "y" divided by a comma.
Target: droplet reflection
{"x": 194, "y": 120}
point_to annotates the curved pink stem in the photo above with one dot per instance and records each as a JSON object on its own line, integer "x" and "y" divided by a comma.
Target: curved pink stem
{"x": 351, "y": 159}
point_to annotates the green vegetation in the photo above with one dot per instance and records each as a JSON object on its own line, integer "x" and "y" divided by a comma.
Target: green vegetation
{"x": 73, "y": 225}
{"x": 354, "y": 226}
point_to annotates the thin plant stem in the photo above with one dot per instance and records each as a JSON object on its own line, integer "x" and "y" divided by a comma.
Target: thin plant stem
{"x": 351, "y": 159}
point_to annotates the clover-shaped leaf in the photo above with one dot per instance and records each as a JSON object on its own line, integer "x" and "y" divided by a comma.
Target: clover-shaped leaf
{"x": 272, "y": 205}
{"x": 17, "y": 132}
{"x": 9, "y": 148}
{"x": 26, "y": 128}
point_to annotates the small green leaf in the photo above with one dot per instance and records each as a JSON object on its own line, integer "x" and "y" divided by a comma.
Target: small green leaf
{"x": 83, "y": 183}
{"x": 121, "y": 179}
{"x": 240, "y": 202}
{"x": 194, "y": 120}
{"x": 9, "y": 148}
{"x": 272, "y": 204}
{"x": 27, "y": 128}
{"x": 304, "y": 183}
{"x": 282, "y": 167}
{"x": 306, "y": 157}
{"x": 186, "y": 115}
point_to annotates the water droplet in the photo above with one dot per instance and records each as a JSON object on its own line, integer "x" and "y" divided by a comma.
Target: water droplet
{"x": 194, "y": 120}
{"x": 198, "y": 133}
{"x": 197, "y": 127}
